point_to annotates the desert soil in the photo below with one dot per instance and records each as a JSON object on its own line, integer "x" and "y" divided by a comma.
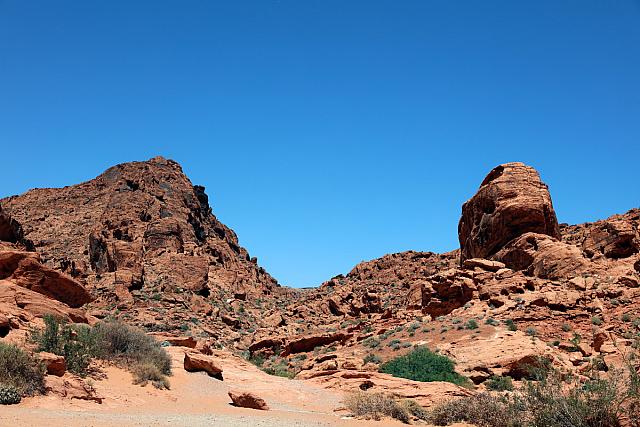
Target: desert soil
{"x": 195, "y": 399}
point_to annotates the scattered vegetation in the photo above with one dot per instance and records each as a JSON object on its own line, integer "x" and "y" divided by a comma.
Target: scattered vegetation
{"x": 550, "y": 401}
{"x": 372, "y": 358}
{"x": 511, "y": 325}
{"x": 77, "y": 343}
{"x": 531, "y": 331}
{"x": 145, "y": 372}
{"x": 9, "y": 395}
{"x": 422, "y": 364}
{"x": 19, "y": 372}
{"x": 497, "y": 383}
{"x": 471, "y": 324}
{"x": 113, "y": 340}
{"x": 375, "y": 406}
{"x": 491, "y": 321}
{"x": 371, "y": 342}
{"x": 596, "y": 320}
{"x": 279, "y": 369}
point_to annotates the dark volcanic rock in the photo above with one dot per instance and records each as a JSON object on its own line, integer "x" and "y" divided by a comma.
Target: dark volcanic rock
{"x": 511, "y": 201}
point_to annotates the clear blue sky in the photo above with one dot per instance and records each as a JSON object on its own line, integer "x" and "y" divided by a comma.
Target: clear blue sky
{"x": 328, "y": 132}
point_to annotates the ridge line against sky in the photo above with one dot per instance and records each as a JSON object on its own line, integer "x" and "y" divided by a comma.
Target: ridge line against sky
{"x": 330, "y": 132}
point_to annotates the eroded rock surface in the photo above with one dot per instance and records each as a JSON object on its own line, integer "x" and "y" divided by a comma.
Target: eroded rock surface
{"x": 512, "y": 200}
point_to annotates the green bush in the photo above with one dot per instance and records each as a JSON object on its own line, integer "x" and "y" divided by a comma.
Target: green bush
{"x": 77, "y": 343}
{"x": 596, "y": 320}
{"x": 471, "y": 324}
{"x": 421, "y": 364}
{"x": 280, "y": 369}
{"x": 511, "y": 325}
{"x": 20, "y": 371}
{"x": 107, "y": 340}
{"x": 9, "y": 395}
{"x": 497, "y": 383}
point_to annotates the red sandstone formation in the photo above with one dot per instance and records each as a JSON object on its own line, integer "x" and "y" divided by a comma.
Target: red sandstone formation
{"x": 511, "y": 201}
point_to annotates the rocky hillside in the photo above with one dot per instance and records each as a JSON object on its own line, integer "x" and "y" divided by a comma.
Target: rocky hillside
{"x": 520, "y": 287}
{"x": 141, "y": 225}
{"x": 138, "y": 236}
{"x": 140, "y": 243}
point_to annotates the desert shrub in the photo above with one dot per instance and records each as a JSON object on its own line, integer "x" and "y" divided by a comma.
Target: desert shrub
{"x": 497, "y": 383}
{"x": 531, "y": 331}
{"x": 77, "y": 343}
{"x": 596, "y": 320}
{"x": 107, "y": 340}
{"x": 280, "y": 369}
{"x": 421, "y": 364}
{"x": 413, "y": 327}
{"x": 598, "y": 402}
{"x": 566, "y": 327}
{"x": 9, "y": 395}
{"x": 20, "y": 371}
{"x": 372, "y": 358}
{"x": 511, "y": 325}
{"x": 471, "y": 324}
{"x": 371, "y": 342}
{"x": 394, "y": 342}
{"x": 256, "y": 359}
{"x": 375, "y": 406}
{"x": 120, "y": 342}
{"x": 491, "y": 321}
{"x": 415, "y": 409}
{"x": 145, "y": 372}
{"x": 592, "y": 404}
{"x": 483, "y": 410}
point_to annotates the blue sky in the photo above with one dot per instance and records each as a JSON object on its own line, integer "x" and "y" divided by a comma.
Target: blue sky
{"x": 328, "y": 132}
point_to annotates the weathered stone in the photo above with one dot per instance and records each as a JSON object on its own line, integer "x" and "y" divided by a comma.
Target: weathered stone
{"x": 511, "y": 201}
{"x": 55, "y": 364}
{"x": 484, "y": 264}
{"x": 248, "y": 400}
{"x": 194, "y": 362}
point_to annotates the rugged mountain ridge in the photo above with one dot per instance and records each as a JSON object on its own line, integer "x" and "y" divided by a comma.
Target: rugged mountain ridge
{"x": 141, "y": 225}
{"x": 140, "y": 243}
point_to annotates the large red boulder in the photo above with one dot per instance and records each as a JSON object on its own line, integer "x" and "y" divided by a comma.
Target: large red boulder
{"x": 512, "y": 200}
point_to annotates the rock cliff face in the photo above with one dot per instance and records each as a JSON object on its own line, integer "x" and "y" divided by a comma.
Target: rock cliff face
{"x": 139, "y": 225}
{"x": 511, "y": 201}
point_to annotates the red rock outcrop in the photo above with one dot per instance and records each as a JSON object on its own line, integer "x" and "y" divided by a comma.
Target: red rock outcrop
{"x": 511, "y": 201}
{"x": 56, "y": 365}
{"x": 248, "y": 400}
{"x": 543, "y": 256}
{"x": 142, "y": 224}
{"x": 195, "y": 362}
{"x": 24, "y": 269}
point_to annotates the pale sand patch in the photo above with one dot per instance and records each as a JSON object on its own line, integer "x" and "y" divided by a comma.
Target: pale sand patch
{"x": 195, "y": 399}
